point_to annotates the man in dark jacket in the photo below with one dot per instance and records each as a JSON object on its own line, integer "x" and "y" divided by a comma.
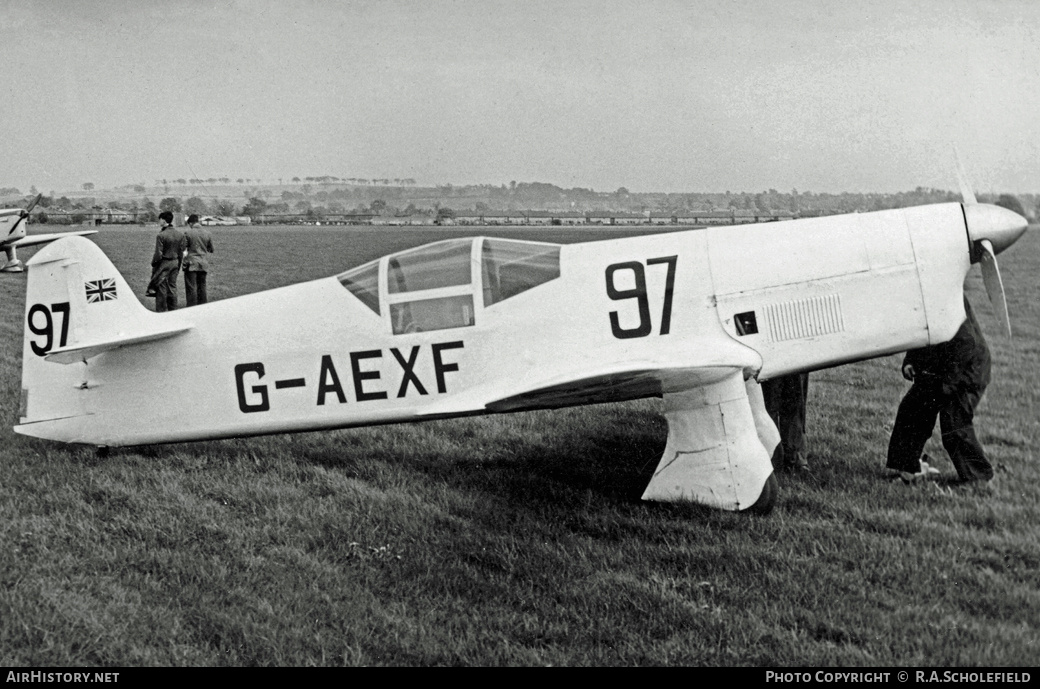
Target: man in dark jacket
{"x": 166, "y": 263}
{"x": 948, "y": 381}
{"x": 198, "y": 243}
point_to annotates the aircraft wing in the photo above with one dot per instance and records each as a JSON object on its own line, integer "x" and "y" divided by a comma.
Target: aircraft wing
{"x": 720, "y": 438}
{"x": 32, "y": 239}
{"x": 598, "y": 377}
{"x": 622, "y": 384}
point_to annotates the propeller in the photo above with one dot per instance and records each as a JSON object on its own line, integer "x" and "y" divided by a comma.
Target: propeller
{"x": 32, "y": 204}
{"x": 991, "y": 229}
{"x": 994, "y": 285}
{"x": 24, "y": 214}
{"x": 967, "y": 194}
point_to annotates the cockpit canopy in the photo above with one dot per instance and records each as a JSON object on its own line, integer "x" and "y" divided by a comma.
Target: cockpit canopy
{"x": 441, "y": 285}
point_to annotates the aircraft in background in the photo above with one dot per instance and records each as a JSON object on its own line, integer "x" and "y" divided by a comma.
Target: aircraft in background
{"x": 12, "y": 230}
{"x": 217, "y": 220}
{"x": 484, "y": 325}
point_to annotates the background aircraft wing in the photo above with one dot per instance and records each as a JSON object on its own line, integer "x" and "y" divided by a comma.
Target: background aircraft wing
{"x": 30, "y": 240}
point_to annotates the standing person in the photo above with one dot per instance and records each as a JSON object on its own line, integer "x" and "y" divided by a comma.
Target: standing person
{"x": 199, "y": 243}
{"x": 785, "y": 399}
{"x": 948, "y": 381}
{"x": 166, "y": 263}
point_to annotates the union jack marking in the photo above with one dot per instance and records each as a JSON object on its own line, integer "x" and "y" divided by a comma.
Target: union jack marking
{"x": 100, "y": 290}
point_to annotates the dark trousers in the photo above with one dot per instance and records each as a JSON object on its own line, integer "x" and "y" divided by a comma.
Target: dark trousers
{"x": 785, "y": 399}
{"x": 164, "y": 282}
{"x": 195, "y": 287}
{"x": 915, "y": 421}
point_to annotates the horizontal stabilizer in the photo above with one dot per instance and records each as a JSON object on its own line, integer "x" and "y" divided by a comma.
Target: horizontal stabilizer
{"x": 87, "y": 350}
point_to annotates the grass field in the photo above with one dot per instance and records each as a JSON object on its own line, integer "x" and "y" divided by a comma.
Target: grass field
{"x": 515, "y": 539}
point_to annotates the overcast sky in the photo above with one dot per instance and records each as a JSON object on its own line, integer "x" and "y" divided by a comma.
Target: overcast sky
{"x": 652, "y": 95}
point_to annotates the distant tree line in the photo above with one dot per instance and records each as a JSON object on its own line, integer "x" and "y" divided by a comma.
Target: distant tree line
{"x": 321, "y": 179}
{"x": 317, "y": 197}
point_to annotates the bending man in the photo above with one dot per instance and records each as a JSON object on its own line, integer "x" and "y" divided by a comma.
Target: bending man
{"x": 948, "y": 381}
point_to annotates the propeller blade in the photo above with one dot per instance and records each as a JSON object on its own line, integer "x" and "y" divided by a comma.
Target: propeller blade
{"x": 32, "y": 204}
{"x": 967, "y": 195}
{"x": 994, "y": 285}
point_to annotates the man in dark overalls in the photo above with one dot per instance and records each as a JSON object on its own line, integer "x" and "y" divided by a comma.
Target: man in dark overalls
{"x": 948, "y": 381}
{"x": 785, "y": 398}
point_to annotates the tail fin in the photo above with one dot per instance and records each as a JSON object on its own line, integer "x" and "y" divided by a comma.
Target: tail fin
{"x": 77, "y": 306}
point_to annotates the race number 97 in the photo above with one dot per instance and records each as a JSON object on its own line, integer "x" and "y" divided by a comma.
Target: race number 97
{"x": 639, "y": 294}
{"x": 41, "y": 324}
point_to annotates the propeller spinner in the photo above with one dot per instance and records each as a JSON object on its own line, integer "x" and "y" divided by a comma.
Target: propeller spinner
{"x": 992, "y": 229}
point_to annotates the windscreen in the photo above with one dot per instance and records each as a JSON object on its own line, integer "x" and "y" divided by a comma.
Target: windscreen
{"x": 512, "y": 267}
{"x": 443, "y": 264}
{"x": 363, "y": 283}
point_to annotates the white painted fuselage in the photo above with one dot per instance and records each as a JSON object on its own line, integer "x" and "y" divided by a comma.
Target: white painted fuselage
{"x": 819, "y": 292}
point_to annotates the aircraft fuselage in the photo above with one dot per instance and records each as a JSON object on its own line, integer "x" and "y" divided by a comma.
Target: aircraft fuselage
{"x": 604, "y": 320}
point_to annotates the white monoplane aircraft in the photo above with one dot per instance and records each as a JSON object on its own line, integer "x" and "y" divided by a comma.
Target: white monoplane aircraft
{"x": 484, "y": 325}
{"x": 12, "y": 231}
